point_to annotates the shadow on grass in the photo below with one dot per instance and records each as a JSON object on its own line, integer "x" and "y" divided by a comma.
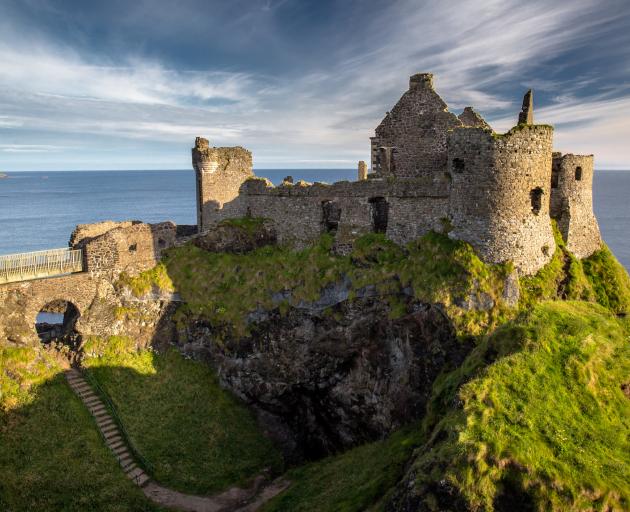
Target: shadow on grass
{"x": 197, "y": 437}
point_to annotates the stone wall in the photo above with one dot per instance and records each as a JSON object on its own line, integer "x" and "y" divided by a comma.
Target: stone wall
{"x": 411, "y": 139}
{"x": 572, "y": 203}
{"x": 85, "y": 232}
{"x": 301, "y": 212}
{"x": 500, "y": 194}
{"x": 129, "y": 248}
{"x": 220, "y": 172}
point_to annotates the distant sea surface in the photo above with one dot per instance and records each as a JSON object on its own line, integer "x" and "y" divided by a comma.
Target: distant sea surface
{"x": 39, "y": 210}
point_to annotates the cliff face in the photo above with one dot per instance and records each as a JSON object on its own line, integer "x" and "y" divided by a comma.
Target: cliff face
{"x": 324, "y": 382}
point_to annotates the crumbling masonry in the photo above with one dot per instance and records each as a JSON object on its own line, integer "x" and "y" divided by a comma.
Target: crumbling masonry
{"x": 431, "y": 170}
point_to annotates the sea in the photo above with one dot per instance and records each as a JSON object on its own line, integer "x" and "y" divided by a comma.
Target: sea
{"x": 39, "y": 210}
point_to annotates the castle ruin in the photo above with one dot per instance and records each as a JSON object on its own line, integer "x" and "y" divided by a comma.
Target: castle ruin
{"x": 430, "y": 170}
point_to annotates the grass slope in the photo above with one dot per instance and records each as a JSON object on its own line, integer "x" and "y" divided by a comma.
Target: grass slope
{"x": 352, "y": 481}
{"x": 53, "y": 458}
{"x": 435, "y": 267}
{"x": 548, "y": 424}
{"x": 196, "y": 436}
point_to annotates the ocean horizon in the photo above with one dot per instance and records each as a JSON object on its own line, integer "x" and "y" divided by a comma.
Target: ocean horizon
{"x": 39, "y": 209}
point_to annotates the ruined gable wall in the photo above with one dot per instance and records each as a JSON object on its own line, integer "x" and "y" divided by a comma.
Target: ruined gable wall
{"x": 414, "y": 207}
{"x": 85, "y": 232}
{"x": 416, "y": 129}
{"x": 572, "y": 203}
{"x": 220, "y": 172}
{"x": 131, "y": 249}
{"x": 493, "y": 179}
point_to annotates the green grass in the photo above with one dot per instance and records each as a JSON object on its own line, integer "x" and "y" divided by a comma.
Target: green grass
{"x": 53, "y": 458}
{"x": 548, "y": 418}
{"x": 436, "y": 268}
{"x": 196, "y": 436}
{"x": 351, "y": 482}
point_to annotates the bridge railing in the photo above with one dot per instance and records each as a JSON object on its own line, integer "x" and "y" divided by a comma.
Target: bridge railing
{"x": 34, "y": 265}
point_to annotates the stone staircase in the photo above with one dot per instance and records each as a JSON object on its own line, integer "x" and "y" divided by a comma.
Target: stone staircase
{"x": 108, "y": 427}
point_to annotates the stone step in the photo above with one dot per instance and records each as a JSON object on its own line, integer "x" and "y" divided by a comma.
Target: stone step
{"x": 92, "y": 402}
{"x": 105, "y": 422}
{"x": 141, "y": 480}
{"x": 117, "y": 445}
{"x": 100, "y": 415}
{"x": 110, "y": 429}
{"x": 82, "y": 387}
{"x": 97, "y": 409}
{"x": 121, "y": 451}
{"x": 136, "y": 472}
{"x": 113, "y": 440}
{"x": 126, "y": 462}
{"x": 111, "y": 434}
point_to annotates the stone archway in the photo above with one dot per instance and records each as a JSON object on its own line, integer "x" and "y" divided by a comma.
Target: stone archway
{"x": 55, "y": 324}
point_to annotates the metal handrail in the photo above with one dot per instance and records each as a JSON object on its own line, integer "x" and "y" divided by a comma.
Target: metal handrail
{"x": 38, "y": 264}
{"x": 103, "y": 394}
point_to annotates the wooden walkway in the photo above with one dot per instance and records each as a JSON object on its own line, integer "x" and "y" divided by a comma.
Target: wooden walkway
{"x": 39, "y": 264}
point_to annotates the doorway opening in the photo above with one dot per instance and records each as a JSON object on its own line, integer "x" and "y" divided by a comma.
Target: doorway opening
{"x": 56, "y": 324}
{"x": 380, "y": 212}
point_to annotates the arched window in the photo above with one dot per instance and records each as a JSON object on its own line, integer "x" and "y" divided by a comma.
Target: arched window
{"x": 578, "y": 173}
{"x": 536, "y": 198}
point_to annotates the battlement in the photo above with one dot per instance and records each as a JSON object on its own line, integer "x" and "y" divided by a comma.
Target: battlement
{"x": 430, "y": 170}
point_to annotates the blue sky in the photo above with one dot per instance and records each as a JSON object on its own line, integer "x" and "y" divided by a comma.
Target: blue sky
{"x": 88, "y": 84}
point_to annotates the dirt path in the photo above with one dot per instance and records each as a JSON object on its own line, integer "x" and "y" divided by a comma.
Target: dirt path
{"x": 234, "y": 499}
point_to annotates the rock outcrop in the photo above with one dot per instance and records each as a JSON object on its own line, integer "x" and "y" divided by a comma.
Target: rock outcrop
{"x": 325, "y": 380}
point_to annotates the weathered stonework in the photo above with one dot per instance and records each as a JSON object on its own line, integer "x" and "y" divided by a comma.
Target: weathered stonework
{"x": 572, "y": 203}
{"x": 128, "y": 248}
{"x": 411, "y": 139}
{"x": 220, "y": 173}
{"x": 302, "y": 212}
{"x": 473, "y": 119}
{"x": 500, "y": 190}
{"x": 109, "y": 249}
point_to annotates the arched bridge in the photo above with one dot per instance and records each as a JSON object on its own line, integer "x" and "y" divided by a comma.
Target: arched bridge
{"x": 83, "y": 275}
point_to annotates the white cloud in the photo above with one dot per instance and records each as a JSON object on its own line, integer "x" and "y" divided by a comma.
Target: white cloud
{"x": 325, "y": 114}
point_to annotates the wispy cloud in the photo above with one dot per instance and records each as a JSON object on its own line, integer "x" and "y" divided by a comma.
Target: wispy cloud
{"x": 322, "y": 111}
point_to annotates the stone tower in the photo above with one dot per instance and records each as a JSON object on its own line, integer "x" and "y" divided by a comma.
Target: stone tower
{"x": 572, "y": 203}
{"x": 500, "y": 192}
{"x": 220, "y": 172}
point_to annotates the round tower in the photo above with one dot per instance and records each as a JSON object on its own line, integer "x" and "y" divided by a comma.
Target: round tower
{"x": 500, "y": 194}
{"x": 572, "y": 203}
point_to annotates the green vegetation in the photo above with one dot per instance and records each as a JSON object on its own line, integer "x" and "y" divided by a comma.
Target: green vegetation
{"x": 548, "y": 423}
{"x": 535, "y": 417}
{"x": 542, "y": 424}
{"x": 352, "y": 481}
{"x": 437, "y": 268}
{"x": 196, "y": 436}
{"x": 248, "y": 224}
{"x": 51, "y": 454}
